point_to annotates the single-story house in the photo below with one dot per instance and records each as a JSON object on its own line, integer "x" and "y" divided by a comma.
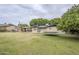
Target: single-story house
{"x": 41, "y": 29}
{"x": 8, "y": 28}
{"x": 35, "y": 29}
{"x": 26, "y": 29}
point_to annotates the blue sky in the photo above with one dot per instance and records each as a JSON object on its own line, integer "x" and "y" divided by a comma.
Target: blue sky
{"x": 15, "y": 13}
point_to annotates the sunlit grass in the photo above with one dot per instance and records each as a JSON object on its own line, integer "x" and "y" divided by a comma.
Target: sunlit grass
{"x": 30, "y": 43}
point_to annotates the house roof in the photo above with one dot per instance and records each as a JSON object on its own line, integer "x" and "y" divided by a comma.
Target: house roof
{"x": 6, "y": 25}
{"x": 11, "y": 25}
{"x": 51, "y": 25}
{"x": 42, "y": 27}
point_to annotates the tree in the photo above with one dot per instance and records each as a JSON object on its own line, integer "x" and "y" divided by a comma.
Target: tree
{"x": 38, "y": 22}
{"x": 54, "y": 21}
{"x": 21, "y": 26}
{"x": 70, "y": 21}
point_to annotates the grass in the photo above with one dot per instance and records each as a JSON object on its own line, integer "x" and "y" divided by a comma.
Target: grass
{"x": 37, "y": 44}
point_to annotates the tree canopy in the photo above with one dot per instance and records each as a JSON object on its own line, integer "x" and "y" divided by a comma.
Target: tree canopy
{"x": 70, "y": 20}
{"x": 38, "y": 22}
{"x": 54, "y": 21}
{"x": 22, "y": 25}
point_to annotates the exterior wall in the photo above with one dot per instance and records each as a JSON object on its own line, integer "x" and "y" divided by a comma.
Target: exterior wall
{"x": 19, "y": 30}
{"x": 51, "y": 29}
{"x": 2, "y": 29}
{"x": 34, "y": 30}
{"x": 11, "y": 28}
{"x": 42, "y": 30}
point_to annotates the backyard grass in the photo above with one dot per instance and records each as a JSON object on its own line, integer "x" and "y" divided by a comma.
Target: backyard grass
{"x": 37, "y": 44}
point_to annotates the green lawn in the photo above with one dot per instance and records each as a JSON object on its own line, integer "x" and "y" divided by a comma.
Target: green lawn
{"x": 36, "y": 44}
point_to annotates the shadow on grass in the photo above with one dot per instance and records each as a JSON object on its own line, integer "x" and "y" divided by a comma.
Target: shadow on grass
{"x": 4, "y": 53}
{"x": 73, "y": 38}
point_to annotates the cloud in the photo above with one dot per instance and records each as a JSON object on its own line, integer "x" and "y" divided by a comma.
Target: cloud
{"x": 13, "y": 13}
{"x": 56, "y": 10}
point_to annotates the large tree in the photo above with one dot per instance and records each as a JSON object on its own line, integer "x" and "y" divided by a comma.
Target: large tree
{"x": 38, "y": 22}
{"x": 21, "y": 26}
{"x": 70, "y": 20}
{"x": 54, "y": 21}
